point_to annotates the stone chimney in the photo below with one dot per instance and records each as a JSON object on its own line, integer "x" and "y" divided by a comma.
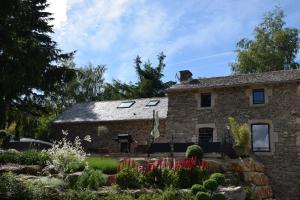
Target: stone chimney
{"x": 185, "y": 75}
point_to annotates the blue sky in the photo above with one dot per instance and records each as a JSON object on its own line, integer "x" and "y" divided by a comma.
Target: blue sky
{"x": 199, "y": 35}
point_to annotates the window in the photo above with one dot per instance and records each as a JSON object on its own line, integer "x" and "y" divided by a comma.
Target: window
{"x": 260, "y": 137}
{"x": 206, "y": 135}
{"x": 205, "y": 100}
{"x": 126, "y": 104}
{"x": 152, "y": 103}
{"x": 258, "y": 96}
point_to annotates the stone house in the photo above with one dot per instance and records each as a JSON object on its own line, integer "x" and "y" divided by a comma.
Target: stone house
{"x": 198, "y": 111}
{"x": 114, "y": 126}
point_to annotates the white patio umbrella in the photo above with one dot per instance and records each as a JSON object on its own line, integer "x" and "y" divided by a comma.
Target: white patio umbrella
{"x": 155, "y": 132}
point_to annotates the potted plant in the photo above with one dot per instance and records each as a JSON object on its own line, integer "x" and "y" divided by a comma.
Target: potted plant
{"x": 241, "y": 137}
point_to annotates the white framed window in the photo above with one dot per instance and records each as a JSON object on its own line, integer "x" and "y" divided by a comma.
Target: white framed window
{"x": 258, "y": 96}
{"x": 260, "y": 137}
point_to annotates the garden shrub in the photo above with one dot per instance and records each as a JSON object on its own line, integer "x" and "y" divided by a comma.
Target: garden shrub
{"x": 75, "y": 167}
{"x": 128, "y": 178}
{"x": 33, "y": 157}
{"x": 169, "y": 177}
{"x": 198, "y": 188}
{"x": 118, "y": 197}
{"x": 218, "y": 196}
{"x": 210, "y": 184}
{"x": 149, "y": 196}
{"x": 198, "y": 175}
{"x": 12, "y": 188}
{"x": 248, "y": 192}
{"x": 106, "y": 165}
{"x": 79, "y": 195}
{"x": 91, "y": 179}
{"x": 9, "y": 157}
{"x": 170, "y": 194}
{"x": 220, "y": 178}
{"x": 203, "y": 196}
{"x": 30, "y": 157}
{"x": 184, "y": 178}
{"x": 65, "y": 152}
{"x": 154, "y": 178}
{"x": 194, "y": 151}
{"x": 38, "y": 191}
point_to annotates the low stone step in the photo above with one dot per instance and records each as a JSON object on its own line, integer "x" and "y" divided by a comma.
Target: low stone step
{"x": 257, "y": 178}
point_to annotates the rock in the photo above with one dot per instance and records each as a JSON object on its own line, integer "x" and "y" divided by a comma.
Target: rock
{"x": 21, "y": 169}
{"x": 256, "y": 178}
{"x": 232, "y": 192}
{"x": 215, "y": 166}
{"x": 31, "y": 169}
{"x": 262, "y": 192}
{"x": 72, "y": 178}
{"x": 245, "y": 165}
{"x": 48, "y": 170}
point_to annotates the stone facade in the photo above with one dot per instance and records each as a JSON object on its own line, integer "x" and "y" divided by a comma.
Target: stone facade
{"x": 103, "y": 139}
{"x": 281, "y": 112}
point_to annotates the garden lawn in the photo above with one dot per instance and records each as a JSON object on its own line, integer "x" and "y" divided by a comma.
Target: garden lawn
{"x": 106, "y": 165}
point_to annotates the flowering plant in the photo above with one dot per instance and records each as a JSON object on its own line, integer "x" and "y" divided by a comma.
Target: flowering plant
{"x": 65, "y": 153}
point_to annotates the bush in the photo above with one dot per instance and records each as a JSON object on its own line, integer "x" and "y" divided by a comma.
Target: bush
{"x": 34, "y": 157}
{"x": 169, "y": 177}
{"x": 154, "y": 178}
{"x": 170, "y": 194}
{"x": 194, "y": 151}
{"x": 118, "y": 197}
{"x": 9, "y": 157}
{"x": 128, "y": 178}
{"x": 210, "y": 184}
{"x": 184, "y": 178}
{"x": 203, "y": 196}
{"x": 220, "y": 178}
{"x": 75, "y": 167}
{"x": 91, "y": 179}
{"x": 30, "y": 157}
{"x": 219, "y": 197}
{"x": 12, "y": 188}
{"x": 106, "y": 165}
{"x": 198, "y": 175}
{"x": 198, "y": 188}
{"x": 79, "y": 194}
{"x": 65, "y": 152}
{"x": 248, "y": 192}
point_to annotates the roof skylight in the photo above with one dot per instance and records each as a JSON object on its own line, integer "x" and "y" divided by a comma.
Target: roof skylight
{"x": 152, "y": 103}
{"x": 126, "y": 104}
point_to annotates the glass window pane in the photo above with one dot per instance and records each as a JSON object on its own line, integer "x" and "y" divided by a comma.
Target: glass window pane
{"x": 206, "y": 100}
{"x": 260, "y": 137}
{"x": 258, "y": 96}
{"x": 126, "y": 104}
{"x": 152, "y": 103}
{"x": 205, "y": 135}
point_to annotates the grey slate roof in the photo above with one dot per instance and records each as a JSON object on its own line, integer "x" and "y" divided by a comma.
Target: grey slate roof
{"x": 108, "y": 111}
{"x": 240, "y": 80}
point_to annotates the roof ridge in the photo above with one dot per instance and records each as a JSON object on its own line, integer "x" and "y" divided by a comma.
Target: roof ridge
{"x": 249, "y": 74}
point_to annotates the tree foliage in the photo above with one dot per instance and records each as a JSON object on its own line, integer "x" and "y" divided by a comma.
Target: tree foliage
{"x": 28, "y": 58}
{"x": 273, "y": 48}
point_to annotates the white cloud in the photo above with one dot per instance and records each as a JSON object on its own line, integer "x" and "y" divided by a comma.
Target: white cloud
{"x": 59, "y": 10}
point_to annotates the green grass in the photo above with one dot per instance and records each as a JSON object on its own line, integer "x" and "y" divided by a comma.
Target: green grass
{"x": 106, "y": 165}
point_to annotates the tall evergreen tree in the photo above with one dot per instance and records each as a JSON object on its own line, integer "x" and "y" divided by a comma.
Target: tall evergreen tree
{"x": 274, "y": 47}
{"x": 150, "y": 83}
{"x": 28, "y": 56}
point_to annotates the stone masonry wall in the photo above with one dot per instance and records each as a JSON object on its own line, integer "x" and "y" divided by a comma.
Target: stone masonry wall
{"x": 139, "y": 130}
{"x": 282, "y": 112}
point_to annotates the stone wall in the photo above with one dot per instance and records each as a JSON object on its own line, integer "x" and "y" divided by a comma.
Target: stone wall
{"x": 139, "y": 130}
{"x": 282, "y": 112}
